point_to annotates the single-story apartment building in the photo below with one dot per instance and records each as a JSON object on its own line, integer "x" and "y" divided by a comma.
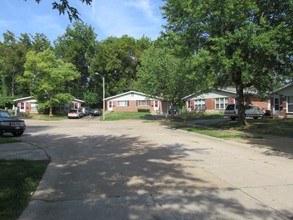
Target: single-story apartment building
{"x": 282, "y": 101}
{"x": 29, "y": 105}
{"x": 133, "y": 100}
{"x": 218, "y": 99}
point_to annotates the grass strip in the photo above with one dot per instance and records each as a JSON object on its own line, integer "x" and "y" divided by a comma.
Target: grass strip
{"x": 18, "y": 180}
{"x": 7, "y": 140}
{"x": 213, "y": 132}
{"x": 111, "y": 116}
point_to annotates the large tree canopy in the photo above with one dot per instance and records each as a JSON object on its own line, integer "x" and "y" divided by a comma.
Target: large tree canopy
{"x": 243, "y": 43}
{"x": 46, "y": 76}
{"x": 77, "y": 46}
{"x": 162, "y": 74}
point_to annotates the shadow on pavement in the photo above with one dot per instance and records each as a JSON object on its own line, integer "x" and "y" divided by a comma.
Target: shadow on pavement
{"x": 124, "y": 177}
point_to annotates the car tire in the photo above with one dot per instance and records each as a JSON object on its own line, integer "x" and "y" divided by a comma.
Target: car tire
{"x": 233, "y": 118}
{"x": 255, "y": 117}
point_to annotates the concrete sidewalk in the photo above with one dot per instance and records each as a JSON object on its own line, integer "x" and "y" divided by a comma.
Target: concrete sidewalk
{"x": 21, "y": 150}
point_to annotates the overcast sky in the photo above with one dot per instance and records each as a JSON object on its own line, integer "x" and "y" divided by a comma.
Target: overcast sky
{"x": 136, "y": 18}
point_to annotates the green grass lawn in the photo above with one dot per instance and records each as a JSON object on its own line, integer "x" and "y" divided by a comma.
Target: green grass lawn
{"x": 254, "y": 129}
{"x": 47, "y": 117}
{"x": 6, "y": 140}
{"x": 18, "y": 180}
{"x": 111, "y": 116}
{"x": 212, "y": 132}
{"x": 278, "y": 127}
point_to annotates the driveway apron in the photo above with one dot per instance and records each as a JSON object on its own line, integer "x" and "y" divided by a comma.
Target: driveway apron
{"x": 136, "y": 170}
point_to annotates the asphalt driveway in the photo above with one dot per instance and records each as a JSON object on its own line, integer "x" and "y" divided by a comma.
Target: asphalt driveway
{"x": 135, "y": 170}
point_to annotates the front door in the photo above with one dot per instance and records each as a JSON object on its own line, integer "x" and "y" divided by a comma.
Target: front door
{"x": 276, "y": 106}
{"x": 156, "y": 106}
{"x": 110, "y": 106}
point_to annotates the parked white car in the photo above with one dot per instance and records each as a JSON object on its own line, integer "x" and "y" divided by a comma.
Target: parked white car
{"x": 75, "y": 113}
{"x": 250, "y": 111}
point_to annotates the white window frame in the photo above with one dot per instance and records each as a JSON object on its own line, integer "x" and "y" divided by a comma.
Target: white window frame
{"x": 34, "y": 107}
{"x": 290, "y": 104}
{"x": 221, "y": 103}
{"x": 143, "y": 103}
{"x": 123, "y": 103}
{"x": 199, "y": 103}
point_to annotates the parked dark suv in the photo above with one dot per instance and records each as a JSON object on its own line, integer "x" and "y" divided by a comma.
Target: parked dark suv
{"x": 9, "y": 124}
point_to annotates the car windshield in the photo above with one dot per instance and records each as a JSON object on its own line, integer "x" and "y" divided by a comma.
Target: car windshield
{"x": 230, "y": 107}
{"x": 4, "y": 115}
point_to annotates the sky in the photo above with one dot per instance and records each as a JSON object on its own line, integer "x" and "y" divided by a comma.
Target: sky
{"x": 136, "y": 18}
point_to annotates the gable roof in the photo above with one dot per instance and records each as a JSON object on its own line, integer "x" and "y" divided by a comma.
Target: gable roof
{"x": 282, "y": 88}
{"x": 127, "y": 93}
{"x": 229, "y": 91}
{"x": 23, "y": 99}
{"x": 31, "y": 97}
{"x": 78, "y": 100}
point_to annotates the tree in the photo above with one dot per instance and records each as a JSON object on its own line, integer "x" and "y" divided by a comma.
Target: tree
{"x": 245, "y": 43}
{"x": 117, "y": 59}
{"x": 64, "y": 7}
{"x": 12, "y": 53}
{"x": 46, "y": 76}
{"x": 162, "y": 74}
{"x": 91, "y": 98}
{"x": 77, "y": 46}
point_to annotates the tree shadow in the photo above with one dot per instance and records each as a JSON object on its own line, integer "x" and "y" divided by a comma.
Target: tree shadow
{"x": 274, "y": 145}
{"x": 124, "y": 177}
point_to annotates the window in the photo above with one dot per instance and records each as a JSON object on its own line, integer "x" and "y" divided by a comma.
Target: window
{"x": 110, "y": 104}
{"x": 277, "y": 105}
{"x": 22, "y": 105}
{"x": 221, "y": 103}
{"x": 156, "y": 104}
{"x": 290, "y": 103}
{"x": 143, "y": 103}
{"x": 34, "y": 107}
{"x": 199, "y": 103}
{"x": 123, "y": 103}
{"x": 188, "y": 104}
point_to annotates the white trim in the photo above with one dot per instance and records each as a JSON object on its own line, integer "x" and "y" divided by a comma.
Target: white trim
{"x": 131, "y": 92}
{"x": 287, "y": 104}
{"x": 22, "y": 99}
{"x": 283, "y": 87}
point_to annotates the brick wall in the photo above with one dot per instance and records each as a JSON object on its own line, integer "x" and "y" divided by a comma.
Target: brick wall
{"x": 210, "y": 104}
{"x": 131, "y": 107}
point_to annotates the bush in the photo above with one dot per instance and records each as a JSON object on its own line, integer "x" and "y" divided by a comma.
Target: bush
{"x": 143, "y": 110}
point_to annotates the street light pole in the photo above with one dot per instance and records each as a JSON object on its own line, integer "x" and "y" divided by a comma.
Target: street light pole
{"x": 103, "y": 95}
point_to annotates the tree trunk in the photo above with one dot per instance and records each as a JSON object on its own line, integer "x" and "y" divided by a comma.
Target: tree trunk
{"x": 50, "y": 108}
{"x": 241, "y": 108}
{"x": 50, "y": 111}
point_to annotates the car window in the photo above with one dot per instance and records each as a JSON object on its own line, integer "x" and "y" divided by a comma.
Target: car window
{"x": 73, "y": 111}
{"x": 247, "y": 107}
{"x": 230, "y": 107}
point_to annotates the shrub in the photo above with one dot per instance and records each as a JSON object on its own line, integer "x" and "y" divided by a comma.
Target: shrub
{"x": 143, "y": 110}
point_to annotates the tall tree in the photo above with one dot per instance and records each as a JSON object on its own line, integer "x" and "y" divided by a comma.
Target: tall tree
{"x": 245, "y": 43}
{"x": 77, "y": 46}
{"x": 46, "y": 76}
{"x": 12, "y": 53}
{"x": 162, "y": 74}
{"x": 116, "y": 59}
